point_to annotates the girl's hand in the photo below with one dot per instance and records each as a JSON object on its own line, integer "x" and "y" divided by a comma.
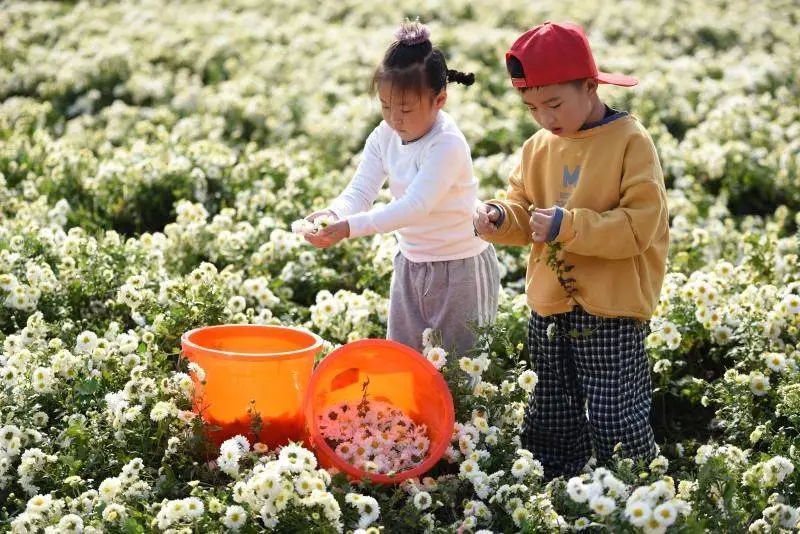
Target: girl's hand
{"x": 321, "y": 213}
{"x": 330, "y": 235}
{"x": 485, "y": 218}
{"x": 541, "y": 221}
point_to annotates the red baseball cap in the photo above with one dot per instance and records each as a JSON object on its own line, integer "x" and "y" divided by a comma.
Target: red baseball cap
{"x": 554, "y": 53}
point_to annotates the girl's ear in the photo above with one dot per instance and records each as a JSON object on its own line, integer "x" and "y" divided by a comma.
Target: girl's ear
{"x": 591, "y": 86}
{"x": 440, "y": 99}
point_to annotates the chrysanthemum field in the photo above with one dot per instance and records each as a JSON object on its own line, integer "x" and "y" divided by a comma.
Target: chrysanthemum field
{"x": 153, "y": 155}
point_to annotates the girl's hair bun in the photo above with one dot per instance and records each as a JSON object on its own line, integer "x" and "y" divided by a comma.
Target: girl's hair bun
{"x": 412, "y": 32}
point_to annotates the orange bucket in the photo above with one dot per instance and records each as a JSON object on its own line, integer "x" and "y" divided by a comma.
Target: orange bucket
{"x": 270, "y": 365}
{"x": 397, "y": 375}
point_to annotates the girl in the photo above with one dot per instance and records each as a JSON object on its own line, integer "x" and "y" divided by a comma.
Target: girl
{"x": 444, "y": 276}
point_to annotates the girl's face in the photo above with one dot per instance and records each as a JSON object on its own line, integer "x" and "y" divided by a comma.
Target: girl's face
{"x": 410, "y": 114}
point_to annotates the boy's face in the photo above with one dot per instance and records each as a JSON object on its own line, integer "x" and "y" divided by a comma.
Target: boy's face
{"x": 409, "y": 114}
{"x": 562, "y": 108}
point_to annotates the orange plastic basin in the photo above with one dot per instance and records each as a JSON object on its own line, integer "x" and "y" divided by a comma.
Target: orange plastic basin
{"x": 270, "y": 365}
{"x": 398, "y": 375}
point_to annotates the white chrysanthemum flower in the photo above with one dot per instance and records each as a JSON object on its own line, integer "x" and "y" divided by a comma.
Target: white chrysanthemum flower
{"x": 638, "y": 512}
{"x": 437, "y": 356}
{"x": 426, "y": 337}
{"x": 759, "y": 384}
{"x": 422, "y": 500}
{"x": 519, "y": 515}
{"x": 775, "y": 361}
{"x": 469, "y": 469}
{"x": 162, "y": 410}
{"x": 86, "y": 342}
{"x": 521, "y": 467}
{"x": 527, "y": 380}
{"x": 71, "y": 523}
{"x": 666, "y": 513}
{"x": 237, "y": 303}
{"x": 194, "y": 507}
{"x": 114, "y": 513}
{"x": 109, "y": 489}
{"x": 235, "y": 517}
{"x": 722, "y": 334}
{"x": 39, "y": 504}
{"x": 602, "y": 505}
{"x": 198, "y": 371}
{"x": 551, "y": 331}
{"x": 576, "y": 490}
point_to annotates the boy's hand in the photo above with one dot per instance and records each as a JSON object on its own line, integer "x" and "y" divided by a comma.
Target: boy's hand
{"x": 485, "y": 218}
{"x": 330, "y": 235}
{"x": 541, "y": 223}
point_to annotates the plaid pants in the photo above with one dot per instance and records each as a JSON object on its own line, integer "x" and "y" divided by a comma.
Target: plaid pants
{"x": 594, "y": 391}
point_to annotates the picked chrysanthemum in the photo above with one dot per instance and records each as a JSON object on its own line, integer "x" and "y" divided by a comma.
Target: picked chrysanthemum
{"x": 302, "y": 226}
{"x": 374, "y": 436}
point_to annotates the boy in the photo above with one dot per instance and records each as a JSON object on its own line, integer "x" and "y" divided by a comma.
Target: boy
{"x": 590, "y": 189}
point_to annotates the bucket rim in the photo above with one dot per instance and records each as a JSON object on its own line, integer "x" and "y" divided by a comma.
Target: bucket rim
{"x": 186, "y": 342}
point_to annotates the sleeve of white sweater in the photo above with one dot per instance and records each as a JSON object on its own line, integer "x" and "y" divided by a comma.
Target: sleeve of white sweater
{"x": 446, "y": 159}
{"x": 363, "y": 189}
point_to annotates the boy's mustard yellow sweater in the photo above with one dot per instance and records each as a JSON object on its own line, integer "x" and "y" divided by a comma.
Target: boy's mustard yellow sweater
{"x": 615, "y": 231}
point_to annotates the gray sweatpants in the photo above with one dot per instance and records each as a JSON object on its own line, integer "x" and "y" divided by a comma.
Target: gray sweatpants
{"x": 445, "y": 296}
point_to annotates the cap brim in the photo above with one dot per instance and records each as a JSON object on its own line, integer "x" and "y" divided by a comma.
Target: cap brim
{"x": 616, "y": 79}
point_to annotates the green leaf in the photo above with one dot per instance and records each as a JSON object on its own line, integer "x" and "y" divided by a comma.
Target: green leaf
{"x": 132, "y": 526}
{"x": 87, "y": 388}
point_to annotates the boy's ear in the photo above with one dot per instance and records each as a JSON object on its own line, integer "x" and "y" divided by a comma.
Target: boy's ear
{"x": 591, "y": 85}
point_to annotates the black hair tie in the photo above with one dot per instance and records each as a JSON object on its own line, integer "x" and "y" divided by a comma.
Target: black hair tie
{"x": 463, "y": 78}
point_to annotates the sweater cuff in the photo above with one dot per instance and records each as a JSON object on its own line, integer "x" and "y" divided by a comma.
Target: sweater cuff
{"x": 566, "y": 231}
{"x": 555, "y": 225}
{"x": 361, "y": 225}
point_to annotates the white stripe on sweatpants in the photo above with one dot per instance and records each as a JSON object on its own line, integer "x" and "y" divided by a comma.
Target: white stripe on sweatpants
{"x": 478, "y": 285}
{"x": 483, "y": 288}
{"x": 487, "y": 290}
